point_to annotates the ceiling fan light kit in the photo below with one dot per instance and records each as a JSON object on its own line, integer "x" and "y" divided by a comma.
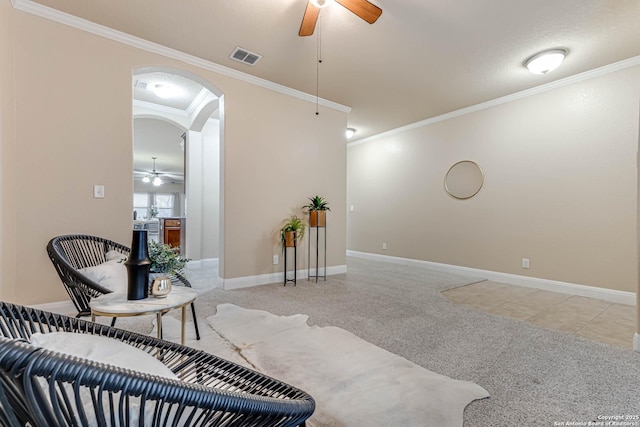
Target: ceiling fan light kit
{"x": 321, "y": 3}
{"x": 157, "y": 181}
{"x": 546, "y": 61}
{"x": 364, "y": 9}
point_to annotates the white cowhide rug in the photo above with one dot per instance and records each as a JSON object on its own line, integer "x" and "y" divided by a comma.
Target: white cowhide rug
{"x": 353, "y": 382}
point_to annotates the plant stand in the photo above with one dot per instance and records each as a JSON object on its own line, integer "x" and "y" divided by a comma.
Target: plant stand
{"x": 317, "y": 245}
{"x": 295, "y": 263}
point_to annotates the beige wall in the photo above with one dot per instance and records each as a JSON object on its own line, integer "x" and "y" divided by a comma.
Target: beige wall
{"x": 7, "y": 150}
{"x": 73, "y": 127}
{"x": 287, "y": 165}
{"x": 560, "y": 187}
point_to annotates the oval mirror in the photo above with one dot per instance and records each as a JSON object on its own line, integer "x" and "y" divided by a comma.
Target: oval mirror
{"x": 464, "y": 179}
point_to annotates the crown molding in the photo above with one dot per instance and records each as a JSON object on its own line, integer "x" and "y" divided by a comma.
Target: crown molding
{"x": 203, "y": 96}
{"x": 160, "y": 108}
{"x": 596, "y": 72}
{"x": 55, "y": 15}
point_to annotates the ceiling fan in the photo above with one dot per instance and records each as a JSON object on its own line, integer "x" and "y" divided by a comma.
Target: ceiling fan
{"x": 365, "y": 10}
{"x": 155, "y": 177}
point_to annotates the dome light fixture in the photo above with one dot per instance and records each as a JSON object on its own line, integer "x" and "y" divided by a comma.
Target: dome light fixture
{"x": 321, "y": 3}
{"x": 146, "y": 179}
{"x": 546, "y": 61}
{"x": 166, "y": 91}
{"x": 350, "y": 132}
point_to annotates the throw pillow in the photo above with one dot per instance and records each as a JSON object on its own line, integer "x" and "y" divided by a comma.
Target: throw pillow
{"x": 111, "y": 275}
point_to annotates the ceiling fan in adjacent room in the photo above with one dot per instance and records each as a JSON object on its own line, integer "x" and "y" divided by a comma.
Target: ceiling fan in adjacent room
{"x": 365, "y": 10}
{"x": 156, "y": 178}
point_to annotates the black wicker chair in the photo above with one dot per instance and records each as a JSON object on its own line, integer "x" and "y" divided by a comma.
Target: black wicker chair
{"x": 42, "y": 388}
{"x": 75, "y": 251}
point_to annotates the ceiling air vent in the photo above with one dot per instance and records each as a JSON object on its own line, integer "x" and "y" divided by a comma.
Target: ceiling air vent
{"x": 244, "y": 56}
{"x": 140, "y": 84}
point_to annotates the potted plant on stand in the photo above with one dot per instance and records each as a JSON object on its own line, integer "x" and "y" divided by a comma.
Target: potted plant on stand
{"x": 317, "y": 208}
{"x": 165, "y": 261}
{"x": 290, "y": 234}
{"x": 292, "y": 231}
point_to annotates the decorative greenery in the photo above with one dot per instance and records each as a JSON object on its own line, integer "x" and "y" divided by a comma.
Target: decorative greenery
{"x": 165, "y": 259}
{"x": 293, "y": 224}
{"x": 317, "y": 203}
{"x": 153, "y": 211}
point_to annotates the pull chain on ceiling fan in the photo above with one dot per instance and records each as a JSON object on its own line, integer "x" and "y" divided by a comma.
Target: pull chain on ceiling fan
{"x": 365, "y": 10}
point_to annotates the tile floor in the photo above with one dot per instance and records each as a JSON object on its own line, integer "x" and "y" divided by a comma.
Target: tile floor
{"x": 590, "y": 318}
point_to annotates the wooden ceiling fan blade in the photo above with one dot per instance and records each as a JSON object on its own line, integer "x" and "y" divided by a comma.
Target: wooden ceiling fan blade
{"x": 365, "y": 10}
{"x": 309, "y": 20}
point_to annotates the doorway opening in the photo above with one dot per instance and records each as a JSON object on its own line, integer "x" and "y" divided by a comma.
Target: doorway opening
{"x": 177, "y": 140}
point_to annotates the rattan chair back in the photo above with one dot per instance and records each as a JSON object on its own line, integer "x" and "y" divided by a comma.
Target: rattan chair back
{"x": 69, "y": 253}
{"x": 39, "y": 387}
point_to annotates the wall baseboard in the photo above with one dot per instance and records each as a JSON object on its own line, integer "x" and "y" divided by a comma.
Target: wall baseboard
{"x": 59, "y": 307}
{"x": 611, "y": 295}
{"x": 201, "y": 263}
{"x": 265, "y": 279}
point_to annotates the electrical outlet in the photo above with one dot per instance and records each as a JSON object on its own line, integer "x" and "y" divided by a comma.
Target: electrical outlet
{"x": 525, "y": 262}
{"x": 275, "y": 260}
{"x": 384, "y": 245}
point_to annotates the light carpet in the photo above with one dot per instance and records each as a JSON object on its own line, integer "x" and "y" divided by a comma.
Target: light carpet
{"x": 354, "y": 383}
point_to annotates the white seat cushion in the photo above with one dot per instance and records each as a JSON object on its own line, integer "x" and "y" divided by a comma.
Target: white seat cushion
{"x": 103, "y": 350}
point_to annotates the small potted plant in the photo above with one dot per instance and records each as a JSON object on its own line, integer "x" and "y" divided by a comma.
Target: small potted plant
{"x": 165, "y": 260}
{"x": 317, "y": 208}
{"x": 292, "y": 231}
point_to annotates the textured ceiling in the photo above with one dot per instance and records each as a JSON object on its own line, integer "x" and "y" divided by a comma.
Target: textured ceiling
{"x": 422, "y": 58}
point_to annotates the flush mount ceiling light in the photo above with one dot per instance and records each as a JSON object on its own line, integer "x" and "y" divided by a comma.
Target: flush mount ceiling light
{"x": 546, "y": 61}
{"x": 165, "y": 91}
{"x": 350, "y": 132}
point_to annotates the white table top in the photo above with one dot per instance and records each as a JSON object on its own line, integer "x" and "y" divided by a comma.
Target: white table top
{"x": 117, "y": 302}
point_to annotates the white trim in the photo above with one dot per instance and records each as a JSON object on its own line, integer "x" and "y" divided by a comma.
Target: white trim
{"x": 636, "y": 342}
{"x": 159, "y": 108}
{"x": 266, "y": 279}
{"x": 611, "y": 295}
{"x": 51, "y": 14}
{"x": 60, "y": 307}
{"x": 199, "y": 263}
{"x": 597, "y": 72}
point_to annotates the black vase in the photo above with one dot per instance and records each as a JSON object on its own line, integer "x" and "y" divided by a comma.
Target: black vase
{"x": 138, "y": 265}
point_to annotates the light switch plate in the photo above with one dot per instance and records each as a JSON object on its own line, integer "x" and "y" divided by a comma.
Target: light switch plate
{"x": 98, "y": 191}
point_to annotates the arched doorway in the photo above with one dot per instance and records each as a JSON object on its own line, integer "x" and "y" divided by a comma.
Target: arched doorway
{"x": 182, "y": 102}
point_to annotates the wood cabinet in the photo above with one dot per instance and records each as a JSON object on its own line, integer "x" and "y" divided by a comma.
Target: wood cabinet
{"x": 173, "y": 232}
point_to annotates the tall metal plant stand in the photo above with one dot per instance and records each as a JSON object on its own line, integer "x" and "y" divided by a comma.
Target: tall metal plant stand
{"x": 317, "y": 252}
{"x": 295, "y": 263}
